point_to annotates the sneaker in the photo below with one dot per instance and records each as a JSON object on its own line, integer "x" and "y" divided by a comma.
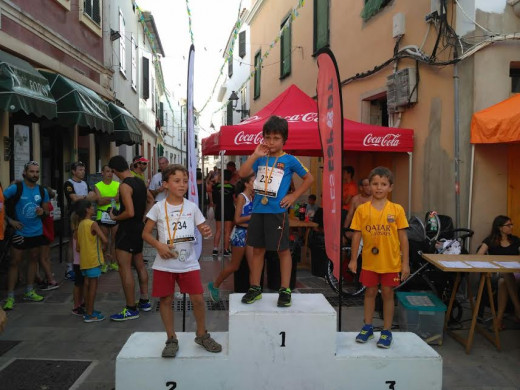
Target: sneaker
{"x": 215, "y": 252}
{"x": 385, "y": 341}
{"x": 9, "y": 303}
{"x": 104, "y": 268}
{"x": 126, "y": 314}
{"x": 49, "y": 286}
{"x": 284, "y": 297}
{"x": 114, "y": 266}
{"x": 144, "y": 305}
{"x": 367, "y": 333}
{"x": 227, "y": 252}
{"x": 253, "y": 294}
{"x": 214, "y": 292}
{"x": 70, "y": 275}
{"x": 32, "y": 296}
{"x": 95, "y": 317}
{"x": 79, "y": 311}
{"x": 170, "y": 349}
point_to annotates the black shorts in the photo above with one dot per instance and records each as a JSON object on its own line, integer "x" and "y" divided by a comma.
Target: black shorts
{"x": 269, "y": 231}
{"x": 229, "y": 213}
{"x": 22, "y": 243}
{"x": 79, "y": 279}
{"x": 129, "y": 238}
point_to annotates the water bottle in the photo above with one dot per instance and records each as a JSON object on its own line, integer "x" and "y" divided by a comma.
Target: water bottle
{"x": 433, "y": 221}
{"x": 113, "y": 204}
{"x": 301, "y": 212}
{"x": 296, "y": 210}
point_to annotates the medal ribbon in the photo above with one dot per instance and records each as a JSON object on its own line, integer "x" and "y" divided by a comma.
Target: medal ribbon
{"x": 168, "y": 221}
{"x": 268, "y": 177}
{"x": 381, "y": 213}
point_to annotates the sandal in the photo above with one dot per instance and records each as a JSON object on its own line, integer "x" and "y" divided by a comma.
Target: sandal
{"x": 170, "y": 349}
{"x": 208, "y": 343}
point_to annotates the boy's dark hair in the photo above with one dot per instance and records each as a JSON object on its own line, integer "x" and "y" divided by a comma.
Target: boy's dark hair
{"x": 172, "y": 169}
{"x": 381, "y": 172}
{"x": 312, "y": 196}
{"x": 231, "y": 164}
{"x": 227, "y": 175}
{"x": 276, "y": 125}
{"x": 349, "y": 169}
{"x": 81, "y": 207}
{"x": 118, "y": 163}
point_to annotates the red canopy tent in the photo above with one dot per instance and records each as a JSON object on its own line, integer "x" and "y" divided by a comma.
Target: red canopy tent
{"x": 300, "y": 110}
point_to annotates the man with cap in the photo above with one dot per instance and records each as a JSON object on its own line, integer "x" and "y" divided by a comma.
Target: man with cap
{"x": 139, "y": 165}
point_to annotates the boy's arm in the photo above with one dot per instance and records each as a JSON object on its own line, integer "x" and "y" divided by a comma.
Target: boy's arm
{"x": 247, "y": 167}
{"x": 354, "y": 248}
{"x": 162, "y": 249}
{"x": 205, "y": 230}
{"x": 97, "y": 230}
{"x": 405, "y": 264}
{"x": 289, "y": 199}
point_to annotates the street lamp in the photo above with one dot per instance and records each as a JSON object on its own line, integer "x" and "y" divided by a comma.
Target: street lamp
{"x": 233, "y": 98}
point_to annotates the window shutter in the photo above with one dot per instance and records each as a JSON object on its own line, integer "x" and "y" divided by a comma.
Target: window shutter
{"x": 285, "y": 49}
{"x": 161, "y": 113}
{"x": 258, "y": 68}
{"x": 134, "y": 62}
{"x": 146, "y": 79}
{"x": 242, "y": 44}
{"x": 229, "y": 114}
{"x": 96, "y": 11}
{"x": 321, "y": 24}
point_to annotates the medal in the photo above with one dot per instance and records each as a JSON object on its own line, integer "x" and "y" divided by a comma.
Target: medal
{"x": 375, "y": 251}
{"x": 174, "y": 253}
{"x": 264, "y": 200}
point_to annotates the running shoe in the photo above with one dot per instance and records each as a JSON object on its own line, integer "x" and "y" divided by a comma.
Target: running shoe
{"x": 95, "y": 317}
{"x": 114, "y": 266}
{"x": 253, "y": 294}
{"x": 385, "y": 341}
{"x": 144, "y": 305}
{"x": 104, "y": 268}
{"x": 214, "y": 292}
{"x": 32, "y": 296}
{"x": 79, "y": 311}
{"x": 125, "y": 314}
{"x": 227, "y": 252}
{"x": 215, "y": 252}
{"x": 284, "y": 297}
{"x": 70, "y": 275}
{"x": 9, "y": 303}
{"x": 367, "y": 333}
{"x": 49, "y": 286}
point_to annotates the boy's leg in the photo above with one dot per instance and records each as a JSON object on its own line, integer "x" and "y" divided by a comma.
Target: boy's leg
{"x": 369, "y": 303}
{"x": 199, "y": 312}
{"x": 142, "y": 275}
{"x": 257, "y": 264}
{"x": 166, "y": 312}
{"x": 285, "y": 268}
{"x": 387, "y": 293}
{"x": 89, "y": 299}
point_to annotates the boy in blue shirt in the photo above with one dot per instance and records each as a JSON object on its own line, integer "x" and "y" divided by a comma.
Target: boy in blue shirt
{"x": 269, "y": 225}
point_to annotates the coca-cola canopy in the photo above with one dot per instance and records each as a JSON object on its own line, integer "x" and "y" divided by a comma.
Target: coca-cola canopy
{"x": 301, "y": 113}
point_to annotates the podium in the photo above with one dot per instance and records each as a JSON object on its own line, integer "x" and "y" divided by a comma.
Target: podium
{"x": 268, "y": 347}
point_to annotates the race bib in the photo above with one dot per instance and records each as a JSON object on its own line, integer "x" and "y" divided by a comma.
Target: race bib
{"x": 183, "y": 228}
{"x": 105, "y": 218}
{"x": 273, "y": 178}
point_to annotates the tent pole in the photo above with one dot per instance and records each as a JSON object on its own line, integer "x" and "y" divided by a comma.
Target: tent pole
{"x": 470, "y": 197}
{"x": 410, "y": 161}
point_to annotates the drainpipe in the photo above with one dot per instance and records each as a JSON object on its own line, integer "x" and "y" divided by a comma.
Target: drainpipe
{"x": 456, "y": 153}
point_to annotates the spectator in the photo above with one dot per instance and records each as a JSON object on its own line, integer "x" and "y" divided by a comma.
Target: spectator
{"x": 235, "y": 177}
{"x": 228, "y": 211}
{"x": 156, "y": 185}
{"x": 311, "y": 207}
{"x": 365, "y": 195}
{"x": 45, "y": 259}
{"x": 349, "y": 186}
{"x": 139, "y": 165}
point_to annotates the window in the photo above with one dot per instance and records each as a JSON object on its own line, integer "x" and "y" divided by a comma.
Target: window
{"x": 122, "y": 44}
{"x": 514, "y": 73}
{"x": 321, "y": 24}
{"x": 146, "y": 78}
{"x": 258, "y": 68}
{"x": 152, "y": 87}
{"x": 372, "y": 7}
{"x": 229, "y": 114}
{"x": 133, "y": 50}
{"x": 285, "y": 48}
{"x": 161, "y": 113}
{"x": 242, "y": 44}
{"x": 92, "y": 8}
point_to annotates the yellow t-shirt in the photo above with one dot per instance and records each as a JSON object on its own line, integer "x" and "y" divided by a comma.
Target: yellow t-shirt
{"x": 90, "y": 251}
{"x": 379, "y": 230}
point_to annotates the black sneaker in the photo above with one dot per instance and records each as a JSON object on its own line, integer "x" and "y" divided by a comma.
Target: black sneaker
{"x": 253, "y": 294}
{"x": 215, "y": 252}
{"x": 284, "y": 297}
{"x": 227, "y": 253}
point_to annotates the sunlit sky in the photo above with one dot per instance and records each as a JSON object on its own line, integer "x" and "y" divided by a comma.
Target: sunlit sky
{"x": 212, "y": 23}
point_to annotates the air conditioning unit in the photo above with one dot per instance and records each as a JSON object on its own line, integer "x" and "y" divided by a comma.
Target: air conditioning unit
{"x": 401, "y": 89}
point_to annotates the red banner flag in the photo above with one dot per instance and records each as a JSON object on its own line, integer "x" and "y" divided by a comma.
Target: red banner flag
{"x": 330, "y": 123}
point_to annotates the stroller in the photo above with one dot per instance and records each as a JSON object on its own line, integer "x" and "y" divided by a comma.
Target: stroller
{"x": 436, "y": 235}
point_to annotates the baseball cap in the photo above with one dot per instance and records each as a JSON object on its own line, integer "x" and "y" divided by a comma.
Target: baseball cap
{"x": 140, "y": 159}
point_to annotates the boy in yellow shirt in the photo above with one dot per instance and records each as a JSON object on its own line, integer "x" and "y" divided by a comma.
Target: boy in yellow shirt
{"x": 382, "y": 225}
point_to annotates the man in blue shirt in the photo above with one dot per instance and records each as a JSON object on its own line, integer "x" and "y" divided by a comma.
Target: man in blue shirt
{"x": 30, "y": 208}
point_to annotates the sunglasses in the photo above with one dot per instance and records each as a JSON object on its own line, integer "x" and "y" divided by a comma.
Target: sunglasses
{"x": 143, "y": 163}
{"x": 34, "y": 163}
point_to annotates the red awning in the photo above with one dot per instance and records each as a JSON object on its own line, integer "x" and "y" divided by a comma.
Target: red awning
{"x": 300, "y": 110}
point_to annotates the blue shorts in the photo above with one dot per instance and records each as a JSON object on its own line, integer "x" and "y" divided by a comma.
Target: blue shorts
{"x": 91, "y": 272}
{"x": 238, "y": 236}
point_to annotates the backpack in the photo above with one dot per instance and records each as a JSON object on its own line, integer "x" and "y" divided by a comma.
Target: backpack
{"x": 10, "y": 204}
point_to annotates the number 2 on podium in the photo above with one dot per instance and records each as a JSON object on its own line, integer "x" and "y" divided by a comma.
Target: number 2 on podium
{"x": 283, "y": 338}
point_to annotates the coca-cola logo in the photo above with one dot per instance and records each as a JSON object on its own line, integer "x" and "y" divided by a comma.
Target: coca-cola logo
{"x": 307, "y": 118}
{"x": 248, "y": 139}
{"x": 389, "y": 140}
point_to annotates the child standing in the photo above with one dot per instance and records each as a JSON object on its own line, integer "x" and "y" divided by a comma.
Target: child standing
{"x": 269, "y": 226}
{"x": 91, "y": 256}
{"x": 243, "y": 210}
{"x": 382, "y": 225}
{"x": 176, "y": 260}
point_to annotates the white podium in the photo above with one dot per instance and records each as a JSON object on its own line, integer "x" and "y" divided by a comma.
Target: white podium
{"x": 268, "y": 347}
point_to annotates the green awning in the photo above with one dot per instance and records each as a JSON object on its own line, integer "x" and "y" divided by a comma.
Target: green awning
{"x": 78, "y": 105}
{"x": 22, "y": 88}
{"x": 126, "y": 128}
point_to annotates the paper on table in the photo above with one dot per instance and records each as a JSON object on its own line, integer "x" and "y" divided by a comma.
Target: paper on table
{"x": 508, "y": 264}
{"x": 455, "y": 264}
{"x": 482, "y": 264}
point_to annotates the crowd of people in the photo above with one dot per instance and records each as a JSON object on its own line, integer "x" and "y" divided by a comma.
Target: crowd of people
{"x": 255, "y": 209}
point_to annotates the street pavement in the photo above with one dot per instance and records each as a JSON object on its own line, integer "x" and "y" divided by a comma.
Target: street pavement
{"x": 49, "y": 331}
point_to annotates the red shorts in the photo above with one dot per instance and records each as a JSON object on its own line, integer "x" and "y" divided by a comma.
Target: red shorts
{"x": 372, "y": 279}
{"x": 164, "y": 283}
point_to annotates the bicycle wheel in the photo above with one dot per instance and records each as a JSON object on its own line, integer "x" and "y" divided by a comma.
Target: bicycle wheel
{"x": 351, "y": 286}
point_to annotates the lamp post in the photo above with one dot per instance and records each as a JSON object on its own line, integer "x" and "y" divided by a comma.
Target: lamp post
{"x": 233, "y": 98}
